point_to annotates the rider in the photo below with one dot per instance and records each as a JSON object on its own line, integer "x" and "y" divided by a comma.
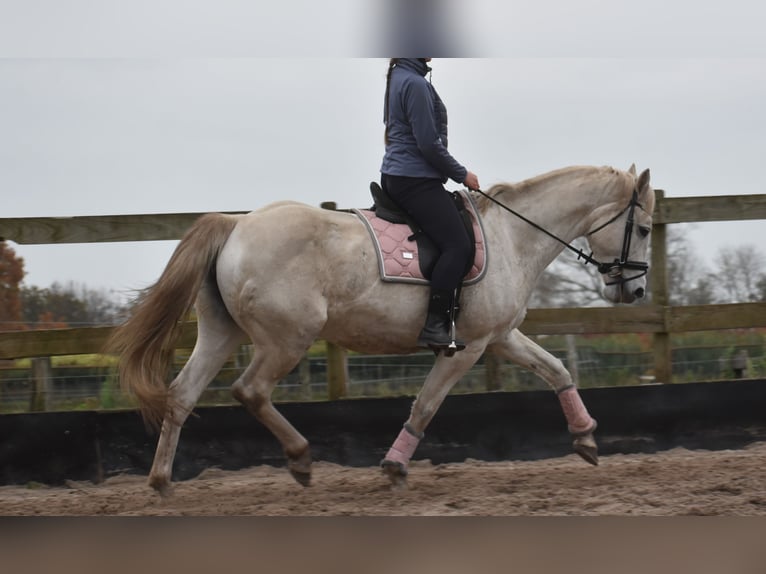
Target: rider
{"x": 415, "y": 167}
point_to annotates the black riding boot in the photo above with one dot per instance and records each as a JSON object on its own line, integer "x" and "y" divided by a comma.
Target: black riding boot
{"x": 437, "y": 332}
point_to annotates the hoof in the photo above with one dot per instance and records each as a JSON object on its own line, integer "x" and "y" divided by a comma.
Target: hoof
{"x": 587, "y": 448}
{"x": 302, "y": 478}
{"x": 163, "y": 487}
{"x": 396, "y": 473}
{"x": 300, "y": 467}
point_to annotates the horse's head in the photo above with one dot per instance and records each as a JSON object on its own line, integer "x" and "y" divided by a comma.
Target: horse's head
{"x": 621, "y": 242}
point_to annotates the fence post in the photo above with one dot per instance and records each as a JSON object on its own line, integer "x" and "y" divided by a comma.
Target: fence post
{"x": 42, "y": 380}
{"x": 493, "y": 370}
{"x": 572, "y": 358}
{"x": 337, "y": 364}
{"x": 304, "y": 374}
{"x": 663, "y": 356}
{"x": 337, "y": 371}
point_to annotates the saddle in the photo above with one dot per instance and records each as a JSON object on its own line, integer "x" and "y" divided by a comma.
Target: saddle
{"x": 386, "y": 222}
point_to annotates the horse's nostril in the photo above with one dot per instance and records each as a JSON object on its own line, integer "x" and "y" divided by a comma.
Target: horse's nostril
{"x": 639, "y": 292}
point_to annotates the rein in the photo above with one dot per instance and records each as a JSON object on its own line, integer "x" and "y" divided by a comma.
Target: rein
{"x": 615, "y": 268}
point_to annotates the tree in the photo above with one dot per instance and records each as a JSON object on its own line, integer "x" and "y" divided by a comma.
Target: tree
{"x": 689, "y": 280}
{"x": 568, "y": 282}
{"x": 740, "y": 269}
{"x": 761, "y": 288}
{"x": 11, "y": 275}
{"x": 702, "y": 293}
{"x": 68, "y": 305}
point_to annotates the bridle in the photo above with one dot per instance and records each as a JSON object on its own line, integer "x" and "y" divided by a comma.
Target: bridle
{"x": 615, "y": 269}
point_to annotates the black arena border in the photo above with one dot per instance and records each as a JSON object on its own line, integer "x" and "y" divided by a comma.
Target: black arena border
{"x": 52, "y": 448}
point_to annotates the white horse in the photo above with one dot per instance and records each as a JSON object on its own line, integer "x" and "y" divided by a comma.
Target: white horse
{"x": 287, "y": 274}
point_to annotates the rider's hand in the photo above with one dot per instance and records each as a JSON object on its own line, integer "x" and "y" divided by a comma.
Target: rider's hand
{"x": 471, "y": 181}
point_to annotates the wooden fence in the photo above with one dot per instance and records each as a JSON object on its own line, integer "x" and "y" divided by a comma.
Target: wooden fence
{"x": 659, "y": 319}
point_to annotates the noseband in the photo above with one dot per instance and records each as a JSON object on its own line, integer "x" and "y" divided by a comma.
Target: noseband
{"x": 613, "y": 270}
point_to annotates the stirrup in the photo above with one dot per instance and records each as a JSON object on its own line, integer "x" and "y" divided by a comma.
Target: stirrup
{"x": 450, "y": 348}
{"x": 454, "y": 345}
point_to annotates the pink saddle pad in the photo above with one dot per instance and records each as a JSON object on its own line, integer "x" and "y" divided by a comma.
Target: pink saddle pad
{"x": 398, "y": 258}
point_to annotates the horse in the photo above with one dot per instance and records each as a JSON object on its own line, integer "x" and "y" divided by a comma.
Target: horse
{"x": 288, "y": 274}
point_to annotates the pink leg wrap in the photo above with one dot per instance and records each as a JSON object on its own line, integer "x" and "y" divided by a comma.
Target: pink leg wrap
{"x": 403, "y": 448}
{"x": 580, "y": 422}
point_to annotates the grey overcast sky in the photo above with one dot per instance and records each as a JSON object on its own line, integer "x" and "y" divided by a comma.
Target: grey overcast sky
{"x": 167, "y": 106}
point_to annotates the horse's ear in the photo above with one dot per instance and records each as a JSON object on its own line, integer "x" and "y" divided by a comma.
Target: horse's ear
{"x": 643, "y": 181}
{"x": 632, "y": 170}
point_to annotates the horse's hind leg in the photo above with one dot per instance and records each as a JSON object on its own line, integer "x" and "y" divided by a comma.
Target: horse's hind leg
{"x": 253, "y": 389}
{"x": 218, "y": 337}
{"x": 528, "y": 354}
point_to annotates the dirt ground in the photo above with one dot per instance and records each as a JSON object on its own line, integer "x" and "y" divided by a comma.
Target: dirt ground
{"x": 672, "y": 483}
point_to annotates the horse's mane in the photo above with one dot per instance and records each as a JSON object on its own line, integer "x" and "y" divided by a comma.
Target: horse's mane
{"x": 508, "y": 191}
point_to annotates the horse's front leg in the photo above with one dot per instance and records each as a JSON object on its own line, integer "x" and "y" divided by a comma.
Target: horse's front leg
{"x": 442, "y": 377}
{"x": 518, "y": 348}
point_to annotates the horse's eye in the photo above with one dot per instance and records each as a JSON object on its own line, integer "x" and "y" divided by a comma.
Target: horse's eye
{"x": 644, "y": 230}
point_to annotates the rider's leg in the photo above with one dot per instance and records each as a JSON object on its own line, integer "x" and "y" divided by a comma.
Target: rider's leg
{"x": 437, "y": 332}
{"x": 434, "y": 210}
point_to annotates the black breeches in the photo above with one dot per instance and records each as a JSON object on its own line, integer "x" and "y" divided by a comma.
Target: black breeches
{"x": 434, "y": 210}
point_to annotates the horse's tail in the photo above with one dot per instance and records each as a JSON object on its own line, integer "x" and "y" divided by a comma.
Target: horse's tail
{"x": 146, "y": 340}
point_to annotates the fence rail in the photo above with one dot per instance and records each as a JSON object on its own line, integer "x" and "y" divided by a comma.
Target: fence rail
{"x": 169, "y": 226}
{"x": 660, "y": 319}
{"x": 709, "y": 208}
{"x": 576, "y": 321}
